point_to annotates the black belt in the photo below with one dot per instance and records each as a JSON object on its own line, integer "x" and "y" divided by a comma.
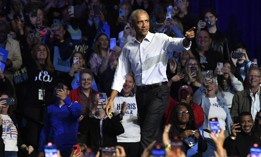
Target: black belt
{"x": 151, "y": 86}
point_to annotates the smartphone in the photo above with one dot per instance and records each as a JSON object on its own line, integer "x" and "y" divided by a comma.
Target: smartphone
{"x": 158, "y": 150}
{"x": 237, "y": 55}
{"x": 193, "y": 70}
{"x": 103, "y": 98}
{"x": 9, "y": 101}
{"x": 112, "y": 43}
{"x": 236, "y": 119}
{"x": 76, "y": 149}
{"x": 219, "y": 67}
{"x": 76, "y": 60}
{"x": 208, "y": 74}
{"x": 50, "y": 150}
{"x": 208, "y": 24}
{"x": 56, "y": 24}
{"x": 121, "y": 12}
{"x": 169, "y": 12}
{"x": 176, "y": 143}
{"x": 255, "y": 151}
{"x": 214, "y": 125}
{"x": 71, "y": 11}
{"x": 107, "y": 151}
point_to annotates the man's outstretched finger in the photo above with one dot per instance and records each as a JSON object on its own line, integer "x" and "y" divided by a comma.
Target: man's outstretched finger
{"x": 191, "y": 29}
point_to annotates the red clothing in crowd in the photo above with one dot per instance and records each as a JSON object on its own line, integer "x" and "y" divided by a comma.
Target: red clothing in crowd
{"x": 197, "y": 110}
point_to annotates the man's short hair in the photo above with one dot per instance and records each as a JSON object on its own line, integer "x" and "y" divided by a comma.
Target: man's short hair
{"x": 245, "y": 113}
{"x": 133, "y": 15}
{"x": 86, "y": 71}
{"x": 254, "y": 68}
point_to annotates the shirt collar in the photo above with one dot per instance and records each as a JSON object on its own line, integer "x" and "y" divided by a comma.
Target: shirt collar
{"x": 252, "y": 94}
{"x": 148, "y": 37}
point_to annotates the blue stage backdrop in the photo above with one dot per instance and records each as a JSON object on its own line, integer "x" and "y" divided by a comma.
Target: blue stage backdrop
{"x": 240, "y": 20}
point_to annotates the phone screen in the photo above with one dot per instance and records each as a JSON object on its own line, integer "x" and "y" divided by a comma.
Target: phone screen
{"x": 169, "y": 12}
{"x": 112, "y": 43}
{"x": 255, "y": 152}
{"x": 158, "y": 151}
{"x": 50, "y": 150}
{"x": 220, "y": 65}
{"x": 75, "y": 60}
{"x": 103, "y": 98}
{"x": 9, "y": 101}
{"x": 121, "y": 12}
{"x": 214, "y": 125}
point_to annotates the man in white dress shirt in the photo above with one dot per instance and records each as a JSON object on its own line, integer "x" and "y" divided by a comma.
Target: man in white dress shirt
{"x": 147, "y": 57}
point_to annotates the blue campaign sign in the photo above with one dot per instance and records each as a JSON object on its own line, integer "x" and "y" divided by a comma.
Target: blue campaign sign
{"x": 3, "y": 58}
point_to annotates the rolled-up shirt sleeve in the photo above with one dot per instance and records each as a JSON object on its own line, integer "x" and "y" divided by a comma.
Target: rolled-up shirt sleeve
{"x": 123, "y": 68}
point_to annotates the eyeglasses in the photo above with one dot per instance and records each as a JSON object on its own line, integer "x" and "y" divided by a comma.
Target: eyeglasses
{"x": 183, "y": 112}
{"x": 254, "y": 76}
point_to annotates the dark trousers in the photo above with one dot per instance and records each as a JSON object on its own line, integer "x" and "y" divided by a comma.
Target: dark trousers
{"x": 152, "y": 104}
{"x": 132, "y": 149}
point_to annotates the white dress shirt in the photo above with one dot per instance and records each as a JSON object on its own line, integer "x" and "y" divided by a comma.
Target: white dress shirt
{"x": 255, "y": 103}
{"x": 147, "y": 59}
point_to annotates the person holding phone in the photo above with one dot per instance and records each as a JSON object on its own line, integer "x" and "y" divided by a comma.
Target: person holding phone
{"x": 85, "y": 95}
{"x": 228, "y": 84}
{"x": 150, "y": 73}
{"x": 61, "y": 122}
{"x": 78, "y": 63}
{"x": 213, "y": 106}
{"x": 249, "y": 99}
{"x": 100, "y": 130}
{"x": 9, "y": 129}
{"x": 183, "y": 126}
{"x": 242, "y": 136}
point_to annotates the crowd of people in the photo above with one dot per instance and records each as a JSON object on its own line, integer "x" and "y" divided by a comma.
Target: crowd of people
{"x": 129, "y": 77}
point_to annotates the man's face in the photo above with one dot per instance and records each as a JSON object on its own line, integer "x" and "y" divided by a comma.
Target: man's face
{"x": 86, "y": 81}
{"x": 246, "y": 123}
{"x": 141, "y": 24}
{"x": 254, "y": 78}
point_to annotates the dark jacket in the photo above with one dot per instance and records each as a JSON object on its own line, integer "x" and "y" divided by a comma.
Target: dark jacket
{"x": 110, "y": 129}
{"x": 241, "y": 102}
{"x": 241, "y": 145}
{"x": 202, "y": 145}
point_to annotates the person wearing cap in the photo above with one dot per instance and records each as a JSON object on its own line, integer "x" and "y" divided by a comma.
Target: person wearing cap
{"x": 185, "y": 96}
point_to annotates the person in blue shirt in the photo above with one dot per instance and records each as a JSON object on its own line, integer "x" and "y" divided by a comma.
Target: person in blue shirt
{"x": 61, "y": 122}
